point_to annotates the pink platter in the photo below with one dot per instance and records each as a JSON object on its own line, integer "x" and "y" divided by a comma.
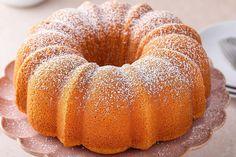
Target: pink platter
{"x": 15, "y": 125}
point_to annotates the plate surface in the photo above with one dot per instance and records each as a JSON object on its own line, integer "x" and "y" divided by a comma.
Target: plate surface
{"x": 15, "y": 125}
{"x": 210, "y": 39}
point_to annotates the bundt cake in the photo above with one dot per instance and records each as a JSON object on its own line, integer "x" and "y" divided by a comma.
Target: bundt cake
{"x": 112, "y": 77}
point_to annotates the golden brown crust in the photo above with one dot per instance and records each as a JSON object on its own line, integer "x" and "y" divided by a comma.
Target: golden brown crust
{"x": 134, "y": 13}
{"x": 29, "y": 66}
{"x": 154, "y": 98}
{"x": 43, "y": 95}
{"x": 71, "y": 105}
{"x": 187, "y": 46}
{"x": 171, "y": 28}
{"x": 192, "y": 72}
{"x": 41, "y": 40}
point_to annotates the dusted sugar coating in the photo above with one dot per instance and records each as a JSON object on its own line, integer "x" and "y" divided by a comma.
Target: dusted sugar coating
{"x": 112, "y": 77}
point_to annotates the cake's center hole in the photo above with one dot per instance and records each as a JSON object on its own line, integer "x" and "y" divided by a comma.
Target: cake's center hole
{"x": 109, "y": 56}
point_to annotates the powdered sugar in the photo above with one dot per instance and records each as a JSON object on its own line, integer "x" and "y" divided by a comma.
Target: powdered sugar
{"x": 55, "y": 75}
{"x": 158, "y": 74}
{"x": 65, "y": 88}
{"x": 99, "y": 33}
{"x": 114, "y": 88}
{"x": 152, "y": 20}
